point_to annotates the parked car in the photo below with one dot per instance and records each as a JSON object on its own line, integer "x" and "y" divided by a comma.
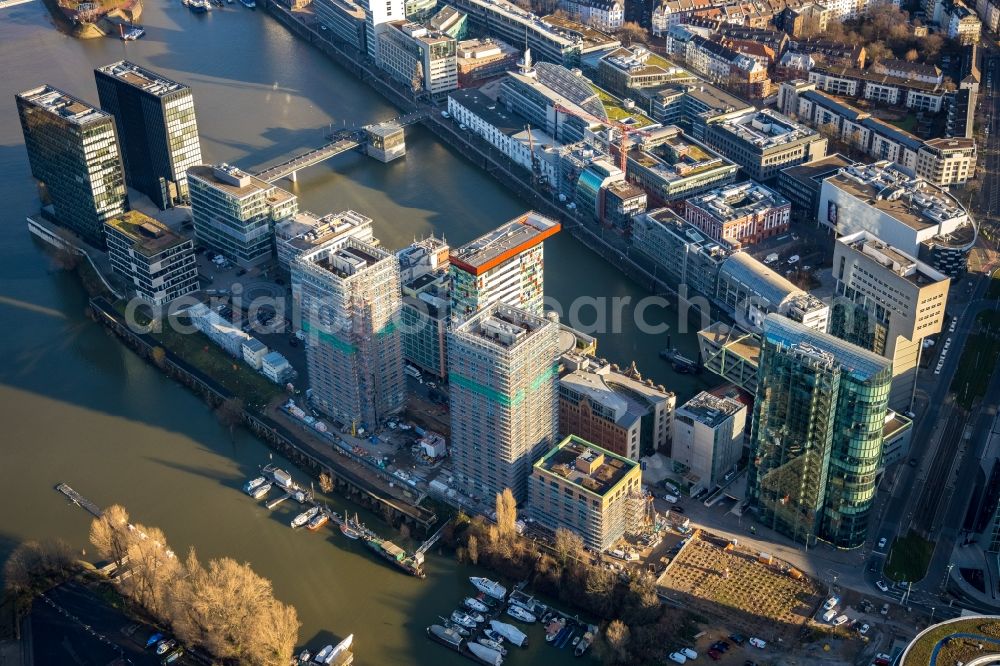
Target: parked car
{"x": 839, "y": 620}
{"x": 677, "y": 658}
{"x": 714, "y": 654}
{"x": 758, "y": 642}
{"x": 863, "y": 629}
{"x": 689, "y": 653}
{"x": 739, "y": 639}
{"x": 882, "y": 542}
{"x": 882, "y": 587}
{"x": 721, "y": 646}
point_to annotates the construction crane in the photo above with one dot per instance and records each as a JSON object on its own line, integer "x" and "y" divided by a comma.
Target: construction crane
{"x": 625, "y": 130}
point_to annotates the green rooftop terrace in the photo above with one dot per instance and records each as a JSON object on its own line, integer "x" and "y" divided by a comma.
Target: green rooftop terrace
{"x": 618, "y": 113}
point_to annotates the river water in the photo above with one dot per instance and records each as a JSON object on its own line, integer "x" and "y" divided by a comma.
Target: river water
{"x": 75, "y": 406}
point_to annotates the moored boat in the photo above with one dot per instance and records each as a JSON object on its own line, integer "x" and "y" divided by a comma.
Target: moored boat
{"x": 484, "y": 654}
{"x": 519, "y": 613}
{"x": 342, "y": 647}
{"x": 476, "y": 605}
{"x": 323, "y": 654}
{"x": 585, "y": 642}
{"x": 445, "y": 636}
{"x": 492, "y": 644}
{"x": 260, "y": 491}
{"x": 463, "y": 619}
{"x": 393, "y": 553}
{"x": 510, "y": 632}
{"x": 494, "y": 635}
{"x": 253, "y": 483}
{"x": 459, "y": 629}
{"x": 349, "y": 528}
{"x": 490, "y": 587}
{"x": 318, "y": 521}
{"x": 305, "y": 656}
{"x": 304, "y": 517}
{"x": 553, "y": 628}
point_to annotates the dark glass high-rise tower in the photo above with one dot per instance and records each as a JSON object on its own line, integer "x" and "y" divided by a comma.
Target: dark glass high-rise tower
{"x": 156, "y": 126}
{"x": 816, "y": 441}
{"x": 73, "y": 150}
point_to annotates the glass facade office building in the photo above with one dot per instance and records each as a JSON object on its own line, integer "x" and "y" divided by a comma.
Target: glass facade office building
{"x": 73, "y": 150}
{"x": 157, "y": 127}
{"x": 817, "y": 436}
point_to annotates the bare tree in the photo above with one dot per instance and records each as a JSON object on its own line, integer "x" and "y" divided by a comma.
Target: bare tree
{"x": 153, "y": 569}
{"x": 617, "y": 636}
{"x": 110, "y": 533}
{"x": 159, "y": 356}
{"x": 37, "y": 564}
{"x": 417, "y": 82}
{"x": 506, "y": 507}
{"x": 631, "y": 32}
{"x": 325, "y": 482}
{"x": 472, "y": 549}
{"x": 568, "y": 545}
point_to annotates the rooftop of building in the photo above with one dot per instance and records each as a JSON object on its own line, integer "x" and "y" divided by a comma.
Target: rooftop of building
{"x": 892, "y": 259}
{"x": 585, "y": 465}
{"x": 735, "y": 341}
{"x": 625, "y": 393}
{"x": 828, "y": 350}
{"x": 475, "y": 49}
{"x": 715, "y": 99}
{"x": 344, "y": 261}
{"x": 911, "y": 68}
{"x": 149, "y": 235}
{"x": 146, "y": 80}
{"x": 492, "y": 112}
{"x": 592, "y": 38}
{"x": 639, "y": 60}
{"x": 236, "y": 182}
{"x": 326, "y": 228}
{"x": 620, "y": 111}
{"x": 445, "y": 18}
{"x": 758, "y": 277}
{"x": 711, "y": 410}
{"x": 838, "y": 106}
{"x": 63, "y": 104}
{"x": 563, "y": 38}
{"x": 501, "y": 326}
{"x": 421, "y": 33}
{"x": 348, "y": 7}
{"x": 812, "y": 173}
{"x": 827, "y": 47}
{"x": 692, "y": 235}
{"x": 913, "y": 201}
{"x": 882, "y": 79}
{"x": 731, "y": 202}
{"x": 673, "y": 156}
{"x": 765, "y": 129}
{"x": 503, "y": 243}
{"x": 946, "y": 145}
{"x": 894, "y": 424}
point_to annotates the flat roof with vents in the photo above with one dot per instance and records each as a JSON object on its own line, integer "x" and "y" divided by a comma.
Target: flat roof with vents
{"x": 63, "y": 104}
{"x": 492, "y": 249}
{"x": 150, "y": 236}
{"x": 588, "y": 466}
{"x": 146, "y": 80}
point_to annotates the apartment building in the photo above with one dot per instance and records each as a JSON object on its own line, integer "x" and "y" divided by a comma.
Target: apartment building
{"x": 708, "y": 438}
{"x": 605, "y": 15}
{"x": 632, "y": 68}
{"x": 588, "y": 490}
{"x": 887, "y": 302}
{"x": 502, "y": 374}
{"x": 306, "y": 231}
{"x": 157, "y": 264}
{"x": 350, "y": 302}
{"x": 616, "y": 409}
{"x": 420, "y": 57}
{"x": 505, "y": 266}
{"x": 235, "y": 213}
{"x": 764, "y": 142}
{"x": 739, "y": 215}
{"x": 669, "y": 165}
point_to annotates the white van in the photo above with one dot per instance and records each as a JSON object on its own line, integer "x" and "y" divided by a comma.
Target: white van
{"x": 829, "y": 615}
{"x": 689, "y": 653}
{"x": 677, "y": 658}
{"x": 841, "y": 619}
{"x": 673, "y": 499}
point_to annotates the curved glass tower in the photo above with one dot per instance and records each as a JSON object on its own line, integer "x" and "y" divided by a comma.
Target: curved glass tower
{"x": 816, "y": 441}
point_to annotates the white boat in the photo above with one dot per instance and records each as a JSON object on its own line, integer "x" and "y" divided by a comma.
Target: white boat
{"x": 519, "y": 613}
{"x": 342, "y": 647}
{"x": 490, "y": 587}
{"x": 304, "y": 517}
{"x": 323, "y": 654}
{"x": 484, "y": 654}
{"x": 253, "y": 483}
{"x": 510, "y": 632}
{"x": 305, "y": 656}
{"x": 494, "y": 635}
{"x": 476, "y": 617}
{"x": 492, "y": 644}
{"x": 476, "y": 605}
{"x": 260, "y": 491}
{"x": 463, "y": 619}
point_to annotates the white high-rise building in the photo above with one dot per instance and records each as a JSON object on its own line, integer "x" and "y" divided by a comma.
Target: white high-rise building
{"x": 378, "y": 12}
{"x": 502, "y": 374}
{"x": 354, "y": 354}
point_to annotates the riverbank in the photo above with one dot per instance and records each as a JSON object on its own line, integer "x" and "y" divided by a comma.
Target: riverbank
{"x": 70, "y": 21}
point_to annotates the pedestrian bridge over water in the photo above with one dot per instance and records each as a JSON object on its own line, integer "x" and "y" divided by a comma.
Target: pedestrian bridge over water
{"x": 340, "y": 142}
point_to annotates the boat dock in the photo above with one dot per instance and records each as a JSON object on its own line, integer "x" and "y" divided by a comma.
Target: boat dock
{"x": 272, "y": 503}
{"x": 80, "y": 500}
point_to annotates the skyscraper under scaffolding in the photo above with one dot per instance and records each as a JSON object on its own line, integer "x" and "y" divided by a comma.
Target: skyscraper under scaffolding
{"x": 350, "y": 298}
